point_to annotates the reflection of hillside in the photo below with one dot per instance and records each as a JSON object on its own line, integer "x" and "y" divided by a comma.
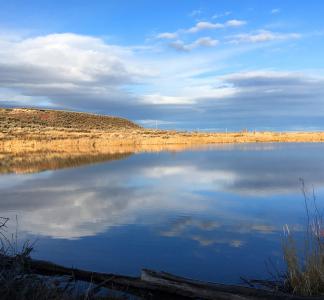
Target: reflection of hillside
{"x": 72, "y": 155}
{"x": 38, "y": 162}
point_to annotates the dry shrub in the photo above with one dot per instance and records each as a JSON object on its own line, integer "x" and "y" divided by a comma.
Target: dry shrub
{"x": 305, "y": 267}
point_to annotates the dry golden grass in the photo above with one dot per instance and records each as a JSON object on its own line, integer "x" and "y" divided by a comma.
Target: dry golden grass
{"x": 24, "y": 130}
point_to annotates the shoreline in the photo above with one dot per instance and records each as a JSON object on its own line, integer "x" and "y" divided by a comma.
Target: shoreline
{"x": 69, "y": 141}
{"x": 149, "y": 285}
{"x": 23, "y": 156}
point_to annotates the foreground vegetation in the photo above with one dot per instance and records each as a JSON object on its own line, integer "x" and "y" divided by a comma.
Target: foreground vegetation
{"x": 304, "y": 260}
{"x": 305, "y": 265}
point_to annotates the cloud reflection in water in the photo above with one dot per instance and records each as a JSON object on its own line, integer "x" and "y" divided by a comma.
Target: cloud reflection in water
{"x": 80, "y": 202}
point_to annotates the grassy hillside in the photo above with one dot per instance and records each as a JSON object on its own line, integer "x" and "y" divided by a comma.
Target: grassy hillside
{"x": 24, "y": 130}
{"x": 39, "y": 118}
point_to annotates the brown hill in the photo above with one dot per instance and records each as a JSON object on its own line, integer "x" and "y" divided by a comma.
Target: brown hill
{"x": 40, "y": 118}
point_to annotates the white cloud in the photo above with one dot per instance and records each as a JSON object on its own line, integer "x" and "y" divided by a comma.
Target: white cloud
{"x": 235, "y": 23}
{"x": 163, "y": 100}
{"x": 201, "y": 42}
{"x": 85, "y": 73}
{"x": 187, "y": 94}
{"x": 263, "y": 36}
{"x": 204, "y": 26}
{"x": 264, "y": 74}
{"x": 180, "y": 46}
{"x": 206, "y": 42}
{"x": 167, "y": 35}
{"x": 209, "y": 25}
{"x": 261, "y": 94}
{"x": 66, "y": 66}
{"x": 253, "y": 97}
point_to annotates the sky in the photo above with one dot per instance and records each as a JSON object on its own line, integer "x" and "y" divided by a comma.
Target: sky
{"x": 189, "y": 65}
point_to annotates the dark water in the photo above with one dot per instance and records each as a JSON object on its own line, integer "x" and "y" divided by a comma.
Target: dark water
{"x": 214, "y": 214}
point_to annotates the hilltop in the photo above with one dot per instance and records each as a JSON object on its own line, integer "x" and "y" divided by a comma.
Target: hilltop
{"x": 43, "y": 118}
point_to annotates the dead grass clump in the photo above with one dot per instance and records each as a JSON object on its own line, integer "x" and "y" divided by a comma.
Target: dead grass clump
{"x": 305, "y": 267}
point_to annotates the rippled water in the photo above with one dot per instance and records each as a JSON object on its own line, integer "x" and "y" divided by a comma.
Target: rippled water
{"x": 214, "y": 214}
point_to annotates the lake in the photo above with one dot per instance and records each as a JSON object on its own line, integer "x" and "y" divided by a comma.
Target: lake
{"x": 213, "y": 214}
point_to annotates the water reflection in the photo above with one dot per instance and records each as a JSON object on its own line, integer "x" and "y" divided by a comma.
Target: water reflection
{"x": 34, "y": 162}
{"x": 213, "y": 206}
{"x": 19, "y": 160}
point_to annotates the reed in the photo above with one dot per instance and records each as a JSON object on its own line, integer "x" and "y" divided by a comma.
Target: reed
{"x": 305, "y": 265}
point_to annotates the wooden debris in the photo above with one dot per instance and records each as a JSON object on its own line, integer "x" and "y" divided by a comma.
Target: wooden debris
{"x": 154, "y": 285}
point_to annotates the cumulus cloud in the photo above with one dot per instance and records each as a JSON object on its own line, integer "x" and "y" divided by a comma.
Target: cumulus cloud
{"x": 204, "y": 26}
{"x": 209, "y": 25}
{"x": 263, "y": 100}
{"x": 263, "y": 36}
{"x": 66, "y": 66}
{"x": 274, "y": 80}
{"x": 167, "y": 35}
{"x": 85, "y": 73}
{"x": 201, "y": 42}
{"x": 200, "y": 26}
{"x": 206, "y": 42}
{"x": 164, "y": 100}
{"x": 180, "y": 46}
{"x": 273, "y": 99}
{"x": 235, "y": 23}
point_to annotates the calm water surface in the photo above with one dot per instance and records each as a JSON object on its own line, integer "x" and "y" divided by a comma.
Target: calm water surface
{"x": 214, "y": 214}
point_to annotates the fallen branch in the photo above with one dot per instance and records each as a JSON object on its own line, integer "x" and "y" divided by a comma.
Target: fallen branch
{"x": 152, "y": 284}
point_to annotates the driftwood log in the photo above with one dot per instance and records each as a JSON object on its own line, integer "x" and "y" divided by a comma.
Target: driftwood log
{"x": 154, "y": 285}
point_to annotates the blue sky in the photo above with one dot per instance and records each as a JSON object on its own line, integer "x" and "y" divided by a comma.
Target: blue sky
{"x": 187, "y": 64}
